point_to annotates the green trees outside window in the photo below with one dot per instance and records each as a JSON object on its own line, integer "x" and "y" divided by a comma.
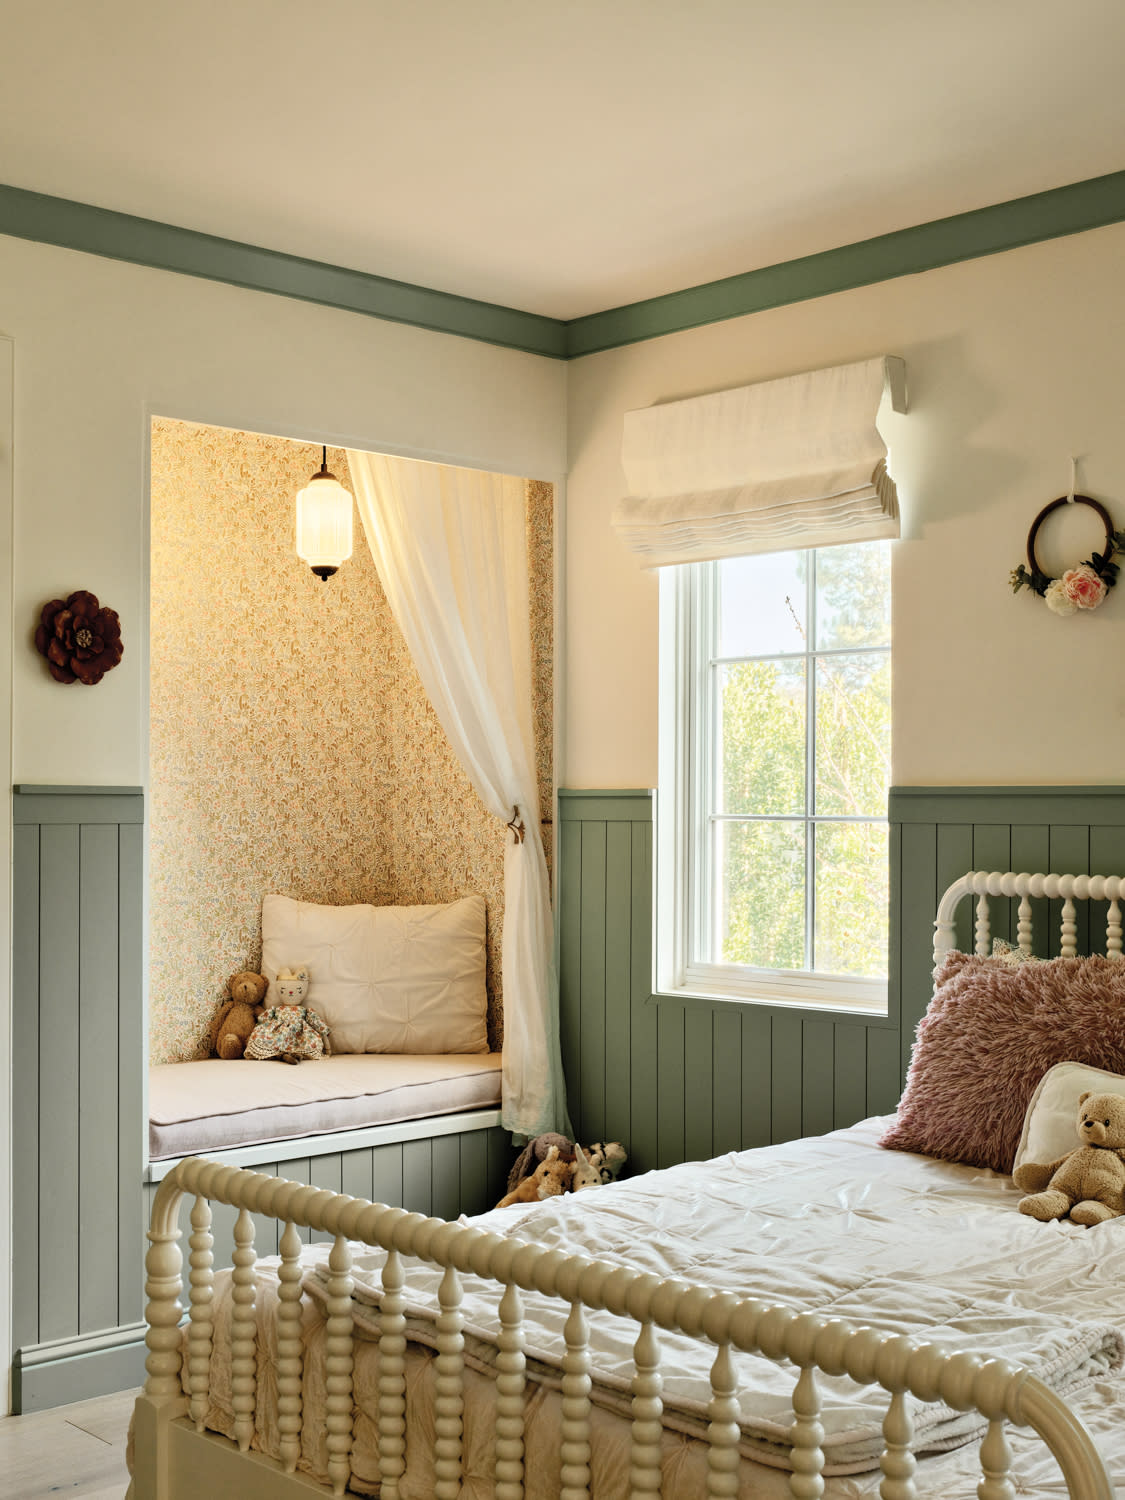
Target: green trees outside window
{"x": 796, "y": 760}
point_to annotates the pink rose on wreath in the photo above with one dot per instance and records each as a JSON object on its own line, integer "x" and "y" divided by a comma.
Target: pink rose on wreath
{"x": 1083, "y": 587}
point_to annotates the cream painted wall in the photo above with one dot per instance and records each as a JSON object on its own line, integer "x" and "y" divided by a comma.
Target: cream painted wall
{"x": 1014, "y": 363}
{"x": 101, "y": 345}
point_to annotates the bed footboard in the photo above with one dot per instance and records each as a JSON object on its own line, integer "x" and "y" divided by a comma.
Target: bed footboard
{"x": 174, "y": 1458}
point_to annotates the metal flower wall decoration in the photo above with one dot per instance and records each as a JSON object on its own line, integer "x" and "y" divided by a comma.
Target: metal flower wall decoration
{"x": 80, "y": 639}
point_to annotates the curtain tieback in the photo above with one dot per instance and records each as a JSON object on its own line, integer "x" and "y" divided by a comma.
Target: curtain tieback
{"x": 515, "y": 823}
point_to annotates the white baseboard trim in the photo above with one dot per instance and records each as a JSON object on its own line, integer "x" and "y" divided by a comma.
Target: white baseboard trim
{"x": 298, "y": 1147}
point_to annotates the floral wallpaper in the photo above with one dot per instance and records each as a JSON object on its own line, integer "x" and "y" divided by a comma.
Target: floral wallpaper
{"x": 292, "y": 747}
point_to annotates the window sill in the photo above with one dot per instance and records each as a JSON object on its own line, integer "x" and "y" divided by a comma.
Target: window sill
{"x": 829, "y": 997}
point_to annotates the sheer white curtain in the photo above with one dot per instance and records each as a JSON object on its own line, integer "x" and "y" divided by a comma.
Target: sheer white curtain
{"x": 451, "y": 552}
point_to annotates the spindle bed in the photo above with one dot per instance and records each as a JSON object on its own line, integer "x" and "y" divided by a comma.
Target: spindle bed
{"x": 287, "y": 1341}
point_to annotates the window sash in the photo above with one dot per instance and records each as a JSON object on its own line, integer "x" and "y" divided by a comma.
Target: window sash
{"x": 689, "y": 899}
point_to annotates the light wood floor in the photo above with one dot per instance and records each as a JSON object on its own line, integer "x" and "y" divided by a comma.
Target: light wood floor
{"x": 71, "y": 1451}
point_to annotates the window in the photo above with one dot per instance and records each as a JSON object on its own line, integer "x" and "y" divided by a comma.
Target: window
{"x": 775, "y": 755}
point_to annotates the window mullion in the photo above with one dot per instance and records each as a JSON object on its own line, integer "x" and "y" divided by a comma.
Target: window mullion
{"x": 810, "y": 763}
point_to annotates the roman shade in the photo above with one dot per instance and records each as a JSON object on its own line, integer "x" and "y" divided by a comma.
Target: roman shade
{"x": 797, "y": 462}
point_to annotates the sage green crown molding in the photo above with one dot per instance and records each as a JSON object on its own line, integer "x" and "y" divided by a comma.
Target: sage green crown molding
{"x": 145, "y": 242}
{"x": 923, "y": 247}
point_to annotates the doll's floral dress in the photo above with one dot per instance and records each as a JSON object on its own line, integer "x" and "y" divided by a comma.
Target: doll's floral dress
{"x": 289, "y": 1032}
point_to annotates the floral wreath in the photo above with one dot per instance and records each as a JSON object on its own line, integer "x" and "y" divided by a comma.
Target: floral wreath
{"x": 1081, "y": 587}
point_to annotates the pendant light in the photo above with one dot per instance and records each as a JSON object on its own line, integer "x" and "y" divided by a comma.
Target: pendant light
{"x": 324, "y": 522}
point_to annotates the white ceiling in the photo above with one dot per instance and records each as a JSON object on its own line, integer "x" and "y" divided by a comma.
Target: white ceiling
{"x": 557, "y": 155}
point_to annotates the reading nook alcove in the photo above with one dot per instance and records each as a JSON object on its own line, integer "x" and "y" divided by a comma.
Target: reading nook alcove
{"x": 294, "y": 751}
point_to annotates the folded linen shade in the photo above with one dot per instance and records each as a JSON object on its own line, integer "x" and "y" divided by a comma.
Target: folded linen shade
{"x": 786, "y": 463}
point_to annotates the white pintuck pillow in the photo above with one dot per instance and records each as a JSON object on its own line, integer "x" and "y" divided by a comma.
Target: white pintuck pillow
{"x": 1049, "y": 1124}
{"x": 386, "y": 978}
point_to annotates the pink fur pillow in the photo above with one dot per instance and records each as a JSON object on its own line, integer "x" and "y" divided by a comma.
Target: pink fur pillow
{"x": 989, "y": 1035}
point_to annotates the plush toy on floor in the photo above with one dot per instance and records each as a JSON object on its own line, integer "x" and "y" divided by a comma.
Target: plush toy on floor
{"x": 536, "y": 1151}
{"x": 1088, "y": 1184}
{"x": 288, "y": 1031}
{"x": 607, "y": 1159}
{"x": 237, "y": 1016}
{"x": 550, "y": 1179}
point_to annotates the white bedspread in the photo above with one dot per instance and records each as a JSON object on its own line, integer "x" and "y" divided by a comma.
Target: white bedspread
{"x": 834, "y": 1226}
{"x": 903, "y": 1242}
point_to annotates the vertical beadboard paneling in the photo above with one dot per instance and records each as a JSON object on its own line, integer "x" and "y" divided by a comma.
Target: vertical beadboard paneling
{"x": 726, "y": 1082}
{"x": 445, "y": 1160}
{"x": 356, "y": 1174}
{"x": 474, "y": 1172}
{"x": 417, "y": 1177}
{"x": 325, "y": 1172}
{"x": 25, "y": 1085}
{"x": 849, "y": 1073}
{"x": 786, "y": 1069}
{"x": 757, "y": 1069}
{"x": 680, "y": 1079}
{"x": 1075, "y": 830}
{"x": 569, "y": 876}
{"x": 696, "y": 1077}
{"x": 386, "y": 1174}
{"x": 591, "y": 1052}
{"x": 60, "y": 1100}
{"x": 132, "y": 1123}
{"x": 818, "y": 1077}
{"x": 644, "y": 1100}
{"x": 78, "y": 1079}
{"x": 99, "y": 1081}
{"x": 699, "y": 1083}
{"x": 618, "y": 977}
{"x": 670, "y": 1143}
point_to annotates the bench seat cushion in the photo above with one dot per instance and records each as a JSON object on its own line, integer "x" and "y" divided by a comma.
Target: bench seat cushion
{"x": 213, "y": 1105}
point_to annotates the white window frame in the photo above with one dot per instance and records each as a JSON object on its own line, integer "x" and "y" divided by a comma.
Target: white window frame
{"x": 687, "y": 719}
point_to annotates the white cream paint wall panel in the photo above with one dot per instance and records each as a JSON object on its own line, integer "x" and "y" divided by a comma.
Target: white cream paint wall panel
{"x": 100, "y": 345}
{"x": 1014, "y": 362}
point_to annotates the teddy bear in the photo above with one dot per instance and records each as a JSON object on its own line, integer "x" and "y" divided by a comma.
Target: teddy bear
{"x": 550, "y": 1179}
{"x": 288, "y": 1031}
{"x": 237, "y": 1016}
{"x": 1088, "y": 1184}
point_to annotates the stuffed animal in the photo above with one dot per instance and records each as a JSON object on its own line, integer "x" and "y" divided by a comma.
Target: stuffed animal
{"x": 1088, "y": 1184}
{"x": 586, "y": 1174}
{"x": 607, "y": 1159}
{"x": 536, "y": 1151}
{"x": 550, "y": 1179}
{"x": 288, "y": 1031}
{"x": 237, "y": 1016}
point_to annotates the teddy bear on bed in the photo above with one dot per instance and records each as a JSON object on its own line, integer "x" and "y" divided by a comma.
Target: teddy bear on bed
{"x": 1088, "y": 1184}
{"x": 237, "y": 1016}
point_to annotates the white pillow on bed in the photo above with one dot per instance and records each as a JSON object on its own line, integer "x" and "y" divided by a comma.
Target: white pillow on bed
{"x": 386, "y": 978}
{"x": 1048, "y": 1126}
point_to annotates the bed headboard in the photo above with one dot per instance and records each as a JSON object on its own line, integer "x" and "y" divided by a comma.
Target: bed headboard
{"x": 1007, "y": 884}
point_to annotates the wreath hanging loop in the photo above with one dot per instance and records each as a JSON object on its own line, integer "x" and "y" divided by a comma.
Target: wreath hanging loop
{"x": 1086, "y": 584}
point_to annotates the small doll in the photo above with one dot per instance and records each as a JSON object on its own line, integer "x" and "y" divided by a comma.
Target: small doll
{"x": 288, "y": 1031}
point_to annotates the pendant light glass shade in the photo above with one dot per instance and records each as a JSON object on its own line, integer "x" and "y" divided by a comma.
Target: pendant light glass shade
{"x": 324, "y": 522}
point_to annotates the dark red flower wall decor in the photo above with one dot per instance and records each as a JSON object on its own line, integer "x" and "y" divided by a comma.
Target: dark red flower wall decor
{"x": 80, "y": 639}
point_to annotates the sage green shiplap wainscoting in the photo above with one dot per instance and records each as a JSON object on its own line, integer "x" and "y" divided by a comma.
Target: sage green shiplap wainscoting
{"x": 941, "y": 832}
{"x": 78, "y": 1056}
{"x": 683, "y": 1079}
